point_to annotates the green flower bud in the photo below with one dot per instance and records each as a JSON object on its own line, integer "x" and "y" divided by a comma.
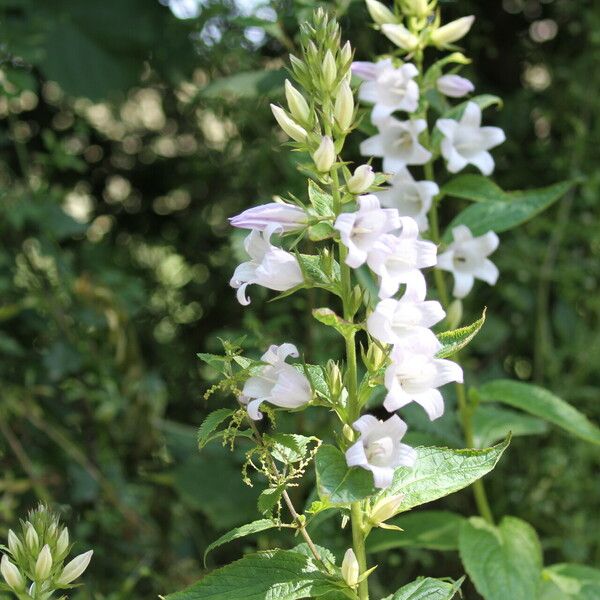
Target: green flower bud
{"x": 350, "y": 568}
{"x": 401, "y": 36}
{"x": 43, "y": 564}
{"x": 14, "y": 543}
{"x": 31, "y": 537}
{"x": 324, "y": 156}
{"x": 290, "y": 127}
{"x": 417, "y": 8}
{"x": 346, "y": 53}
{"x": 344, "y": 106}
{"x": 329, "y": 70}
{"x": 361, "y": 180}
{"x": 296, "y": 103}
{"x": 75, "y": 568}
{"x": 452, "y": 32}
{"x": 380, "y": 13}
{"x": 12, "y": 575}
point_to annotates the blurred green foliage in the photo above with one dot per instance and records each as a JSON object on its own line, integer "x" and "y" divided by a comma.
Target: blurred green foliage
{"x": 128, "y": 136}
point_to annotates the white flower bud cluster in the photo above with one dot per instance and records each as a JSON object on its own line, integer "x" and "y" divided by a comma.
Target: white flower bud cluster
{"x": 39, "y": 551}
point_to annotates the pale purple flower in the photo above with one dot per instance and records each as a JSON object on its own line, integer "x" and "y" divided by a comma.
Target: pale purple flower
{"x": 397, "y": 143}
{"x": 411, "y": 198}
{"x": 361, "y": 229}
{"x": 268, "y": 266}
{"x": 414, "y": 376}
{"x": 467, "y": 259}
{"x": 388, "y": 88}
{"x": 379, "y": 448}
{"x": 283, "y": 217}
{"x": 397, "y": 259}
{"x": 466, "y": 142}
{"x": 454, "y": 86}
{"x": 277, "y": 382}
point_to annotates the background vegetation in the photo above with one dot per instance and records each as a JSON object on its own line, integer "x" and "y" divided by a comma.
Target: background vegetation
{"x": 130, "y": 131}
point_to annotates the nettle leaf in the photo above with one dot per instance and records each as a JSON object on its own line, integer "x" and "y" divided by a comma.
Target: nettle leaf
{"x": 289, "y": 448}
{"x": 476, "y": 188}
{"x": 504, "y": 561}
{"x": 239, "y": 532}
{"x": 316, "y": 376}
{"x": 439, "y": 472}
{"x": 210, "y": 425}
{"x": 321, "y": 231}
{"x": 541, "y": 403}
{"x": 515, "y": 209}
{"x": 268, "y": 499}
{"x": 427, "y": 588}
{"x": 321, "y": 201}
{"x": 455, "y": 340}
{"x": 275, "y": 574}
{"x": 320, "y": 271}
{"x": 336, "y": 482}
{"x": 430, "y": 529}
{"x": 329, "y": 318}
{"x": 570, "y": 582}
{"x": 491, "y": 424}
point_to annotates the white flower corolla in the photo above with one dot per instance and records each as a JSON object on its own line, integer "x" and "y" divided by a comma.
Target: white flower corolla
{"x": 11, "y": 574}
{"x": 405, "y": 322}
{"x": 277, "y": 382}
{"x": 399, "y": 35}
{"x": 397, "y": 143}
{"x": 411, "y": 198}
{"x": 285, "y": 217}
{"x": 295, "y": 131}
{"x": 75, "y": 568}
{"x": 397, "y": 259}
{"x": 360, "y": 230}
{"x": 43, "y": 564}
{"x": 62, "y": 543}
{"x": 350, "y": 568}
{"x": 344, "y": 106}
{"x": 466, "y": 142}
{"x": 414, "y": 376}
{"x": 453, "y": 31}
{"x": 379, "y": 448}
{"x": 380, "y": 13}
{"x": 362, "y": 179}
{"x": 454, "y": 86}
{"x": 467, "y": 259}
{"x": 296, "y": 103}
{"x": 324, "y": 155}
{"x": 269, "y": 266}
{"x": 389, "y": 88}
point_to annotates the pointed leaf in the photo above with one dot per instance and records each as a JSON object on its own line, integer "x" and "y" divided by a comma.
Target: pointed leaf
{"x": 426, "y": 588}
{"x": 210, "y": 425}
{"x": 329, "y": 318}
{"x": 455, "y": 340}
{"x": 476, "y": 188}
{"x": 491, "y": 424}
{"x": 570, "y": 582}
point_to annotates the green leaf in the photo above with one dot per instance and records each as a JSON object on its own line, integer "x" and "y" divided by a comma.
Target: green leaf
{"x": 541, "y": 403}
{"x": 276, "y": 574}
{"x": 455, "y": 340}
{"x": 321, "y": 201}
{"x": 316, "y": 376}
{"x": 329, "y": 318}
{"x": 426, "y": 588}
{"x": 246, "y": 85}
{"x": 239, "y": 532}
{"x": 430, "y": 529}
{"x": 210, "y": 425}
{"x": 503, "y": 562}
{"x": 515, "y": 209}
{"x": 570, "y": 581}
{"x": 491, "y": 423}
{"x": 319, "y": 271}
{"x": 476, "y": 188}
{"x": 439, "y": 472}
{"x": 268, "y": 499}
{"x": 336, "y": 482}
{"x": 289, "y": 448}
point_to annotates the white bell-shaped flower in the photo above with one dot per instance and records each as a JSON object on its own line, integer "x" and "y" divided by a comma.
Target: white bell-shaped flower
{"x": 414, "y": 376}
{"x": 277, "y": 382}
{"x": 467, "y": 259}
{"x": 284, "y": 217}
{"x": 454, "y": 86}
{"x": 397, "y": 143}
{"x": 467, "y": 142}
{"x": 406, "y": 322}
{"x": 379, "y": 448}
{"x": 388, "y": 88}
{"x": 269, "y": 266}
{"x": 361, "y": 229}
{"x": 411, "y": 198}
{"x": 397, "y": 259}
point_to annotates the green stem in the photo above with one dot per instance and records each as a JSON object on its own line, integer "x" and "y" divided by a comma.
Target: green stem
{"x": 358, "y": 544}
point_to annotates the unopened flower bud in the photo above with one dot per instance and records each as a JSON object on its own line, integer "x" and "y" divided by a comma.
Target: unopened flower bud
{"x": 452, "y": 32}
{"x": 401, "y": 36}
{"x": 11, "y": 574}
{"x": 344, "y": 106}
{"x": 374, "y": 358}
{"x": 75, "y": 568}
{"x": 324, "y": 156}
{"x": 334, "y": 379}
{"x": 329, "y": 70}
{"x": 348, "y": 432}
{"x": 454, "y": 314}
{"x": 454, "y": 86}
{"x": 51, "y": 531}
{"x": 31, "y": 537}
{"x": 361, "y": 180}
{"x": 350, "y": 568}
{"x": 296, "y": 103}
{"x": 346, "y": 53}
{"x": 63, "y": 542}
{"x": 380, "y": 13}
{"x": 385, "y": 509}
{"x": 43, "y": 564}
{"x": 417, "y": 8}
{"x": 290, "y": 127}
{"x": 14, "y": 543}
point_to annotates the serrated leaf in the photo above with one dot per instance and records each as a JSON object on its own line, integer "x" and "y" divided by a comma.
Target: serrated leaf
{"x": 541, "y": 403}
{"x": 476, "y": 188}
{"x": 504, "y": 561}
{"x": 426, "y": 588}
{"x": 430, "y": 529}
{"x": 491, "y": 424}
{"x": 316, "y": 376}
{"x": 320, "y": 231}
{"x": 239, "y": 532}
{"x": 316, "y": 273}
{"x": 439, "y": 472}
{"x": 211, "y": 423}
{"x": 336, "y": 482}
{"x": 455, "y": 340}
{"x": 289, "y": 448}
{"x": 518, "y": 208}
{"x": 275, "y": 574}
{"x": 329, "y": 318}
{"x": 570, "y": 582}
{"x": 321, "y": 201}
{"x": 269, "y": 498}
